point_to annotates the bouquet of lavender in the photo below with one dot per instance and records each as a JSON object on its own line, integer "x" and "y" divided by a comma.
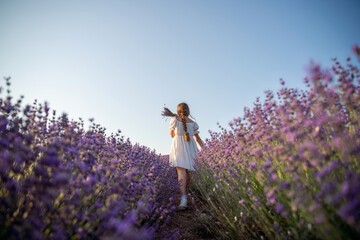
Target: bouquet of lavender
{"x": 167, "y": 113}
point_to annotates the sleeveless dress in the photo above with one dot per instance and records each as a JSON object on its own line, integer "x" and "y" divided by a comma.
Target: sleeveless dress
{"x": 182, "y": 153}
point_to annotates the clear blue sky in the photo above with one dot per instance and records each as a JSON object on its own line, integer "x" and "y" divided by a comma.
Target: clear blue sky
{"x": 121, "y": 61}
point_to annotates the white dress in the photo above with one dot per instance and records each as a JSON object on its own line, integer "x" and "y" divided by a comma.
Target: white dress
{"x": 182, "y": 153}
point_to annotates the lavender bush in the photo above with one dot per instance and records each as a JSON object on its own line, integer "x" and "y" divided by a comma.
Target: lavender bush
{"x": 290, "y": 168}
{"x": 60, "y": 181}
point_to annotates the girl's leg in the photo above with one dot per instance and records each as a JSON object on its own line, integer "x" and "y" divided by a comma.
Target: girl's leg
{"x": 182, "y": 179}
{"x": 187, "y": 180}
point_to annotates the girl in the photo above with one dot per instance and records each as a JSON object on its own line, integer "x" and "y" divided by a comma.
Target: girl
{"x": 183, "y": 147}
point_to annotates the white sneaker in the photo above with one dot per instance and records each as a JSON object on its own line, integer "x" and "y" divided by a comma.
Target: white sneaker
{"x": 183, "y": 202}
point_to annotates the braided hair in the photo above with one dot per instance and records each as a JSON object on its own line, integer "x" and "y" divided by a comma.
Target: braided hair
{"x": 184, "y": 111}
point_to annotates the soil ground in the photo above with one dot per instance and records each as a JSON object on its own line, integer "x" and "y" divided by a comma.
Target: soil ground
{"x": 191, "y": 222}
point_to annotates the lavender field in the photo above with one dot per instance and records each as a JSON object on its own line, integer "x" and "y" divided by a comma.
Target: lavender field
{"x": 61, "y": 181}
{"x": 288, "y": 169}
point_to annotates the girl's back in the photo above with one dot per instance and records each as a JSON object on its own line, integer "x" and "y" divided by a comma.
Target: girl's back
{"x": 178, "y": 126}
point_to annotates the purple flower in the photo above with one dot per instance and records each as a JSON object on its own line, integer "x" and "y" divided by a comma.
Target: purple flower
{"x": 279, "y": 207}
{"x": 356, "y": 50}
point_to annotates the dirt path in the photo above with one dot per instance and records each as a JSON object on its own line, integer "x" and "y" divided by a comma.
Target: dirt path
{"x": 191, "y": 222}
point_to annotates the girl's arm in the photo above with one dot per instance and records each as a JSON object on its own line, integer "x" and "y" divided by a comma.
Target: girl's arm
{"x": 172, "y": 132}
{"x": 198, "y": 140}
